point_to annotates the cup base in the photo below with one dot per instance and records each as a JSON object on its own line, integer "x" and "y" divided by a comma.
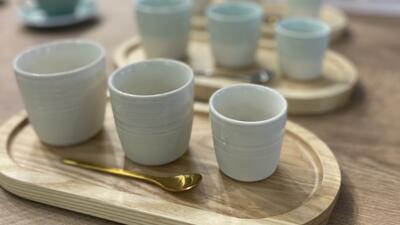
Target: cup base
{"x": 74, "y": 143}
{"x": 249, "y": 179}
{"x": 155, "y": 163}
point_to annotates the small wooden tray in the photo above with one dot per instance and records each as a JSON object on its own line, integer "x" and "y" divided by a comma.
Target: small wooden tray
{"x": 335, "y": 18}
{"x": 303, "y": 190}
{"x": 328, "y": 93}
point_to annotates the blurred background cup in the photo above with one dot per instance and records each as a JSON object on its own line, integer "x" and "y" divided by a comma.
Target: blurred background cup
{"x": 235, "y": 29}
{"x": 200, "y": 6}
{"x": 63, "y": 86}
{"x": 152, "y": 103}
{"x": 304, "y": 8}
{"x": 253, "y": 1}
{"x": 57, "y": 7}
{"x": 248, "y": 125}
{"x": 302, "y": 43}
{"x": 164, "y": 26}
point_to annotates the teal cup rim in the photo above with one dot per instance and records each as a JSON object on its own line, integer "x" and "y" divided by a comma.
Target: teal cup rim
{"x": 176, "y": 5}
{"x": 250, "y": 11}
{"x": 312, "y": 28}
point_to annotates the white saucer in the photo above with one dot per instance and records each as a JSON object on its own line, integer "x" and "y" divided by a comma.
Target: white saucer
{"x": 33, "y": 16}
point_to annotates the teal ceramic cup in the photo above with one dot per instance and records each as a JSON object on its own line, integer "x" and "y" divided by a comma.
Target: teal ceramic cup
{"x": 306, "y": 8}
{"x": 164, "y": 26}
{"x": 57, "y": 7}
{"x": 302, "y": 43}
{"x": 235, "y": 29}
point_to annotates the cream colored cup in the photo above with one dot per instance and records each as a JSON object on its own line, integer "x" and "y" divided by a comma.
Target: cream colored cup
{"x": 152, "y": 103}
{"x": 63, "y": 86}
{"x": 248, "y": 124}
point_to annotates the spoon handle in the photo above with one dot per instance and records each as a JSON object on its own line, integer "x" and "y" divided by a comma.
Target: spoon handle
{"x": 115, "y": 171}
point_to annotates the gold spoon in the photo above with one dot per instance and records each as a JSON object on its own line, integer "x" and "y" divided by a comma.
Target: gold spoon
{"x": 177, "y": 183}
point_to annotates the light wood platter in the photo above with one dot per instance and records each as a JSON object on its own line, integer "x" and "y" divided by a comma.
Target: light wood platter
{"x": 333, "y": 90}
{"x": 334, "y": 17}
{"x": 303, "y": 190}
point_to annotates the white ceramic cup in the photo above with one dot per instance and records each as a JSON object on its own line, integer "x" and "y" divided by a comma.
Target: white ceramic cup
{"x": 302, "y": 43}
{"x": 248, "y": 124}
{"x": 235, "y": 29}
{"x": 152, "y": 103}
{"x": 63, "y": 86}
{"x": 164, "y": 26}
{"x": 306, "y": 8}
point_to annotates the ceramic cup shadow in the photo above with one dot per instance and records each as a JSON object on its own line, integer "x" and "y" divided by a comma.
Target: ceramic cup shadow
{"x": 306, "y": 8}
{"x": 248, "y": 124}
{"x": 302, "y": 43}
{"x": 63, "y": 86}
{"x": 152, "y": 102}
{"x": 235, "y": 29}
{"x": 164, "y": 26}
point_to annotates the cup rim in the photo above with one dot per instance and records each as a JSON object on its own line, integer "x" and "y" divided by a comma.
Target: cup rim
{"x": 257, "y": 11}
{"x": 54, "y": 44}
{"x": 215, "y": 112}
{"x": 164, "y": 9}
{"x": 164, "y": 94}
{"x": 325, "y": 29}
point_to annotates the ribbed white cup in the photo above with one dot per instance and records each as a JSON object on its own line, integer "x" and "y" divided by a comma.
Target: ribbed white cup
{"x": 235, "y": 29}
{"x": 152, "y": 103}
{"x": 63, "y": 86}
{"x": 302, "y": 43}
{"x": 164, "y": 27}
{"x": 248, "y": 124}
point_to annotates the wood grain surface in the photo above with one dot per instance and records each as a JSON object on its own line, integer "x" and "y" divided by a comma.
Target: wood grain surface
{"x": 303, "y": 189}
{"x": 331, "y": 91}
{"x": 364, "y": 135}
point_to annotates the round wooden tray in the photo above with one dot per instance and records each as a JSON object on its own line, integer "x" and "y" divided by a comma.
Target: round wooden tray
{"x": 335, "y": 18}
{"x": 303, "y": 190}
{"x": 328, "y": 93}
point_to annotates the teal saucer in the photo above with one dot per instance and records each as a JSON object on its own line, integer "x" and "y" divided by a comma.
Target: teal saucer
{"x": 32, "y": 16}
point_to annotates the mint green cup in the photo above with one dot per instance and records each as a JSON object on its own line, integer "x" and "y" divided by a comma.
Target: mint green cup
{"x": 302, "y": 43}
{"x": 164, "y": 26}
{"x": 57, "y": 7}
{"x": 235, "y": 29}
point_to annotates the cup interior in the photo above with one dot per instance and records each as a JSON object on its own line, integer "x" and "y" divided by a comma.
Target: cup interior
{"x": 58, "y": 58}
{"x": 151, "y": 77}
{"x": 248, "y": 103}
{"x": 303, "y": 27}
{"x": 151, "y": 5}
{"x": 234, "y": 11}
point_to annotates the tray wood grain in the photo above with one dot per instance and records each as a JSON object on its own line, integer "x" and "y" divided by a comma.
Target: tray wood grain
{"x": 332, "y": 91}
{"x": 303, "y": 190}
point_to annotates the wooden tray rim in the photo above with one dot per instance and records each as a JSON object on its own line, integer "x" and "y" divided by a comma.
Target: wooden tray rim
{"x": 329, "y": 185}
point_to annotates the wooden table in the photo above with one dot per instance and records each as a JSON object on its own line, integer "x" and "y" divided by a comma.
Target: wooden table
{"x": 365, "y": 136}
